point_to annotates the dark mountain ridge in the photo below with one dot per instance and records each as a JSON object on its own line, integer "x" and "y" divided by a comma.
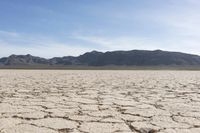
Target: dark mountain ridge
{"x": 113, "y": 58}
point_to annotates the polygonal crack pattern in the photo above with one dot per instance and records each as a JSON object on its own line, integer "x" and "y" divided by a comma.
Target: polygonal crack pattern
{"x": 72, "y": 101}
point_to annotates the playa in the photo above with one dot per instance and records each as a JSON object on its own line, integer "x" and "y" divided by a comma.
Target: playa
{"x": 62, "y": 101}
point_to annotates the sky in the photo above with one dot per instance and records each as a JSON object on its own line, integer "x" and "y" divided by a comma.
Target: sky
{"x": 52, "y": 28}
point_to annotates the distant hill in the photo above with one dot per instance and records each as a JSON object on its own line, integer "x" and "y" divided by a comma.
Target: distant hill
{"x": 114, "y": 58}
{"x": 25, "y": 60}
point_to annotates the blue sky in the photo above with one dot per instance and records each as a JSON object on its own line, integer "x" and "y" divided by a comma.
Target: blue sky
{"x": 50, "y": 28}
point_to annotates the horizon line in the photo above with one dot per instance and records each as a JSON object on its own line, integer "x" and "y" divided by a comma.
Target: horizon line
{"x": 101, "y": 52}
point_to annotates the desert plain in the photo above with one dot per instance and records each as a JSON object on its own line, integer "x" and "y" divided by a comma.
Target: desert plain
{"x": 104, "y": 101}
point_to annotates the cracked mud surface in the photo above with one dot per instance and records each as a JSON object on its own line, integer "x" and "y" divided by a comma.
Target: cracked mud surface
{"x": 42, "y": 101}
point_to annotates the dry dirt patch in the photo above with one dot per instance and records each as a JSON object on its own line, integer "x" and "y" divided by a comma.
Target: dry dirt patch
{"x": 58, "y": 101}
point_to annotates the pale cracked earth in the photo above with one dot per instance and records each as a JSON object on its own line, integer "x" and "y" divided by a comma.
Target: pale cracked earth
{"x": 49, "y": 101}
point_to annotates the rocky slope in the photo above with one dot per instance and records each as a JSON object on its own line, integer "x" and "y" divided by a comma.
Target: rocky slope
{"x": 115, "y": 58}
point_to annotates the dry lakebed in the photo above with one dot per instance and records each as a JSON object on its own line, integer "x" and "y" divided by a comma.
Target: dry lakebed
{"x": 104, "y": 101}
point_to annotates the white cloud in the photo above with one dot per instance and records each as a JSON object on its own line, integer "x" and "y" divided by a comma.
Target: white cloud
{"x": 121, "y": 43}
{"x": 178, "y": 21}
{"x": 48, "y": 51}
{"x": 173, "y": 43}
{"x": 8, "y": 33}
{"x": 44, "y": 47}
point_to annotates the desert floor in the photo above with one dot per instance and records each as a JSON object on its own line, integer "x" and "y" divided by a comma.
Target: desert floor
{"x": 59, "y": 101}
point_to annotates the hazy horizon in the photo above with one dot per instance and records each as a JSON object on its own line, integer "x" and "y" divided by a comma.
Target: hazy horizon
{"x": 96, "y": 51}
{"x": 51, "y": 28}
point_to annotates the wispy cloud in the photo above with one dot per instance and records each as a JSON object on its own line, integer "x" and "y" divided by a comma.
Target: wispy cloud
{"x": 8, "y": 33}
{"x": 174, "y": 26}
{"x": 44, "y": 47}
{"x": 119, "y": 43}
{"x": 168, "y": 25}
{"x": 181, "y": 44}
{"x": 47, "y": 51}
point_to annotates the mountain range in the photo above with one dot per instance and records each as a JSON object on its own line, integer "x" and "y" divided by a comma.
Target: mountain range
{"x": 113, "y": 58}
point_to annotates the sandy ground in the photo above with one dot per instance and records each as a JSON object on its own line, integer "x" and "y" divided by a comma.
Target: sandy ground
{"x": 49, "y": 101}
